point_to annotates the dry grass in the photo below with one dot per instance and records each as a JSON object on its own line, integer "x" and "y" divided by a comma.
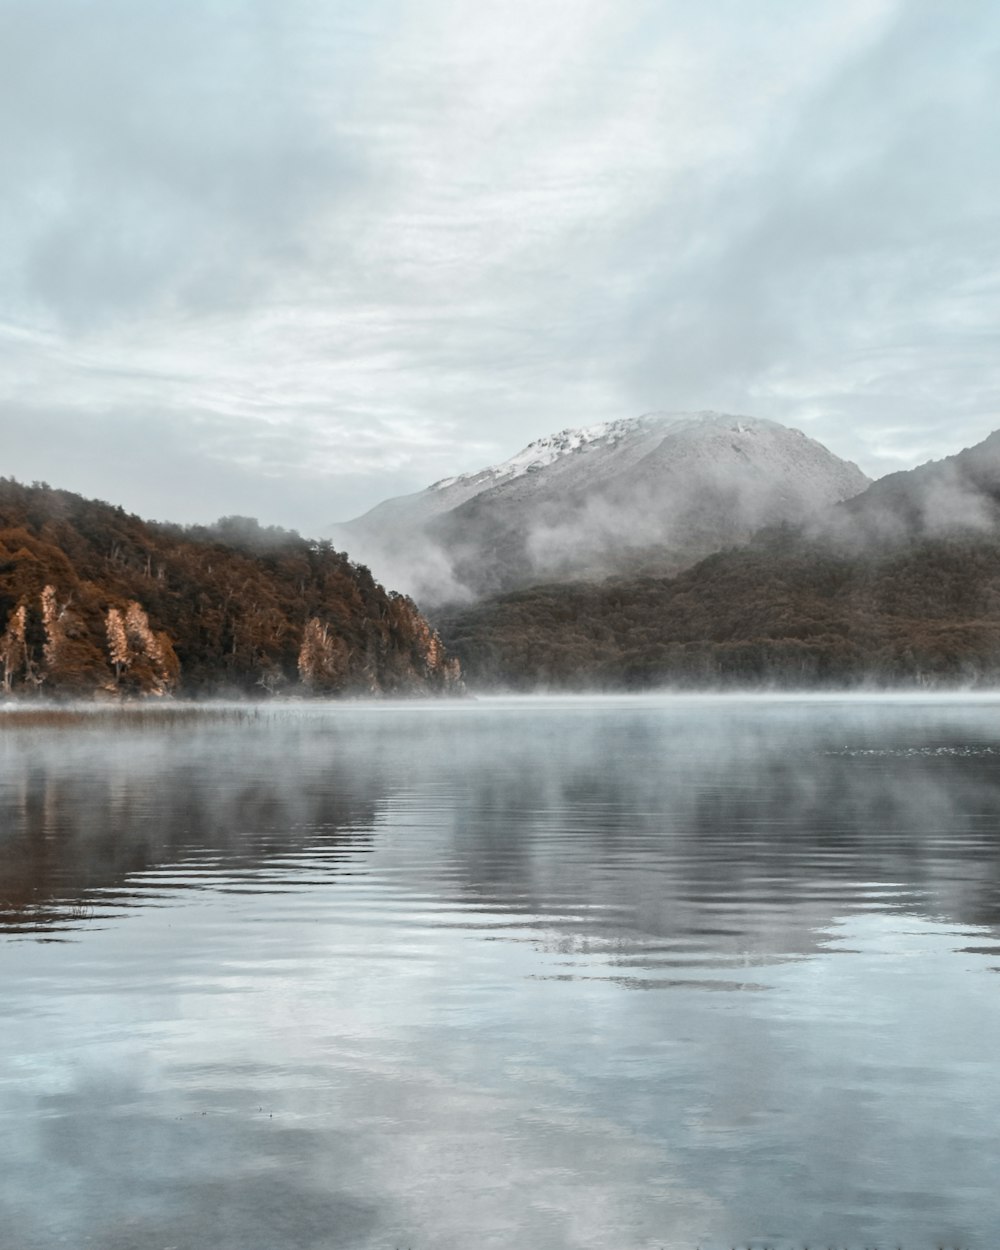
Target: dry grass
{"x": 137, "y": 715}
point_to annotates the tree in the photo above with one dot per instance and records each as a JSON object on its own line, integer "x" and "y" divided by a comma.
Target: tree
{"x": 13, "y": 653}
{"x": 323, "y": 657}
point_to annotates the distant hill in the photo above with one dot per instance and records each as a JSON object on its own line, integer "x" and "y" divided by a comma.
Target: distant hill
{"x": 960, "y": 494}
{"x": 93, "y": 600}
{"x": 652, "y": 494}
{"x": 900, "y": 585}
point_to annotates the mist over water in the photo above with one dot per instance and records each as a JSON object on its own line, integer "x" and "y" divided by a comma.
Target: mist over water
{"x": 537, "y": 973}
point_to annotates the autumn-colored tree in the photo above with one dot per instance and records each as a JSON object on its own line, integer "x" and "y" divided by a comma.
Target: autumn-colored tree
{"x": 55, "y": 637}
{"x": 143, "y": 662}
{"x": 13, "y": 655}
{"x": 323, "y": 657}
{"x": 118, "y": 648}
{"x": 71, "y": 664}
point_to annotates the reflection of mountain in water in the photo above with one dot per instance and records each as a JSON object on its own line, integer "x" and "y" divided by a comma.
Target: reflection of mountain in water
{"x": 88, "y": 811}
{"x": 741, "y": 831}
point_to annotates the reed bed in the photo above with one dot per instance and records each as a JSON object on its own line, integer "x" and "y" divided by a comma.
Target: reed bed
{"x": 72, "y": 716}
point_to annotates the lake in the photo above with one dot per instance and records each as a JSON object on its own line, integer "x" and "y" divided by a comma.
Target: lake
{"x": 544, "y": 974}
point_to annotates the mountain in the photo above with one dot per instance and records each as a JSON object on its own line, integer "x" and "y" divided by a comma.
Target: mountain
{"x": 960, "y": 494}
{"x": 649, "y": 494}
{"x": 93, "y": 600}
{"x": 900, "y": 585}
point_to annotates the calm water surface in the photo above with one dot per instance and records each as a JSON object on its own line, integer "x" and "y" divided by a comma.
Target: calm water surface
{"x": 532, "y": 974}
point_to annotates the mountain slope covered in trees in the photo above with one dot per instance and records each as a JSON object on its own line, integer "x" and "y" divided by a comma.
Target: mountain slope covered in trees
{"x": 95, "y": 600}
{"x": 794, "y": 614}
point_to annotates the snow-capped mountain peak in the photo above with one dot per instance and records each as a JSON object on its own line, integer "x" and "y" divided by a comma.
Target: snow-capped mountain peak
{"x": 545, "y": 451}
{"x": 656, "y": 491}
{"x": 542, "y": 452}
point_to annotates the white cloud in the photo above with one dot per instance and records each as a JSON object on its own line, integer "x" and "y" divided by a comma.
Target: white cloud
{"x": 317, "y": 255}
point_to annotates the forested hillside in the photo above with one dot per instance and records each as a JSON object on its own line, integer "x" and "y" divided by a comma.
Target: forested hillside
{"x": 786, "y": 611}
{"x": 95, "y": 600}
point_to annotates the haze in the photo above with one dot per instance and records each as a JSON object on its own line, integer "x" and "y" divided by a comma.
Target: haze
{"x": 289, "y": 259}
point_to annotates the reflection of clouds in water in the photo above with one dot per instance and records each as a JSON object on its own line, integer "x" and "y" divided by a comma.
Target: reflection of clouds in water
{"x": 353, "y": 915}
{"x": 880, "y": 1058}
{"x": 611, "y": 1131}
{"x": 228, "y": 1178}
{"x": 370, "y": 1138}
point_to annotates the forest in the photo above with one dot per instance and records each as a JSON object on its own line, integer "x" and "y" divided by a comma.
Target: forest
{"x": 786, "y": 611}
{"x": 96, "y": 602}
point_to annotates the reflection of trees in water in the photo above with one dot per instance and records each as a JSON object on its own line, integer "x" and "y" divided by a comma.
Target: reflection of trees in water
{"x": 743, "y": 831}
{"x": 87, "y": 810}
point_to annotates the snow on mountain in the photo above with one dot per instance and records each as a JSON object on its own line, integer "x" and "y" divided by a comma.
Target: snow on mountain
{"x": 451, "y": 492}
{"x": 543, "y": 451}
{"x": 651, "y": 493}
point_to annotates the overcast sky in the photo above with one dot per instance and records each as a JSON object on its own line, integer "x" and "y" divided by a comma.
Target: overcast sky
{"x": 290, "y": 257}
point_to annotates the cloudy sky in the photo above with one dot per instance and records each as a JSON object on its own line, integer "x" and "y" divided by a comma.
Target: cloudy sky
{"x": 289, "y": 257}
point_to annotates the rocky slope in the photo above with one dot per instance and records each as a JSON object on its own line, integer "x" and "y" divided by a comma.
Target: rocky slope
{"x": 650, "y": 494}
